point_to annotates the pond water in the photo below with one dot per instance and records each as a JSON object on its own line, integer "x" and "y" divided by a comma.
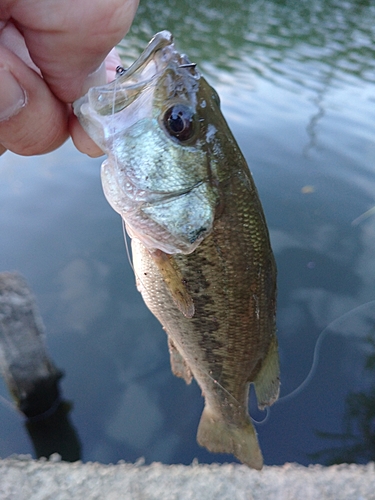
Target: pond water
{"x": 297, "y": 86}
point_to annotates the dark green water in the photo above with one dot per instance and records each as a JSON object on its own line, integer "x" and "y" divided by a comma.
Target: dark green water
{"x": 297, "y": 85}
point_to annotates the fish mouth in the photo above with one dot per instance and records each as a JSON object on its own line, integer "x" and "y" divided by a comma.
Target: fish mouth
{"x": 111, "y": 109}
{"x": 113, "y": 97}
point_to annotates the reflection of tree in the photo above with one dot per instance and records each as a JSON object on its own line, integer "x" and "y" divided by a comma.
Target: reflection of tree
{"x": 267, "y": 37}
{"x": 358, "y": 439}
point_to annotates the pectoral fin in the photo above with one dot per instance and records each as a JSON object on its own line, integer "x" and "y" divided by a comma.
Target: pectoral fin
{"x": 174, "y": 281}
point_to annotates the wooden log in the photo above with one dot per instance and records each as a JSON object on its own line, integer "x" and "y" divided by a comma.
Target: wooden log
{"x": 30, "y": 375}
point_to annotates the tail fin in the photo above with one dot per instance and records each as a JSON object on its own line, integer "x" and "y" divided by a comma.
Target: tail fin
{"x": 220, "y": 437}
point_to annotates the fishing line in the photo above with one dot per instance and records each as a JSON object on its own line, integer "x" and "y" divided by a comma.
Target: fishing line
{"x": 261, "y": 422}
{"x": 315, "y": 361}
{"x": 130, "y": 260}
{"x": 119, "y": 72}
{"x": 316, "y": 354}
{"x": 314, "y": 365}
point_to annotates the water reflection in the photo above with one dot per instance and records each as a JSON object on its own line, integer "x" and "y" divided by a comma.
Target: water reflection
{"x": 356, "y": 441}
{"x": 296, "y": 81}
{"x": 281, "y": 41}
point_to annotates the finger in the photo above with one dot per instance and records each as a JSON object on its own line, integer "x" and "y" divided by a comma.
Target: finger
{"x": 68, "y": 40}
{"x": 32, "y": 120}
{"x": 81, "y": 140}
{"x": 12, "y": 39}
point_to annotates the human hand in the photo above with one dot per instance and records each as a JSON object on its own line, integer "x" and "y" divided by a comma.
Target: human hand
{"x": 51, "y": 52}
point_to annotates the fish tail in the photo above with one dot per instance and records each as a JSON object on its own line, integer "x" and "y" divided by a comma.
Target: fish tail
{"x": 220, "y": 437}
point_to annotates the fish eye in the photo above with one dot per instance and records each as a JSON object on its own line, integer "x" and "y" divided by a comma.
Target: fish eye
{"x": 179, "y": 122}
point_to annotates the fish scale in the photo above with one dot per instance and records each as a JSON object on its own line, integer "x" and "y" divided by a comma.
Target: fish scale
{"x": 226, "y": 341}
{"x": 200, "y": 243}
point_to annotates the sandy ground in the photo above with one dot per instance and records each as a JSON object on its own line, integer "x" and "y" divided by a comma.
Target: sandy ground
{"x": 24, "y": 479}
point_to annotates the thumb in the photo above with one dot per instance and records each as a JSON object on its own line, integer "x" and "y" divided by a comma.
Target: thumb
{"x": 32, "y": 119}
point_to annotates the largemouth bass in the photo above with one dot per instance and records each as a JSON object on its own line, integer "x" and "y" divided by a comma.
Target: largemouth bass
{"x": 200, "y": 244}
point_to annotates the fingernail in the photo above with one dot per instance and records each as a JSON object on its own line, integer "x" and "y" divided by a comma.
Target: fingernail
{"x": 95, "y": 79}
{"x": 12, "y": 96}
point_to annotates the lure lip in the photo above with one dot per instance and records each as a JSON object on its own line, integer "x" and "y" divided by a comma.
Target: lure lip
{"x": 157, "y": 43}
{"x": 129, "y": 83}
{"x": 144, "y": 72}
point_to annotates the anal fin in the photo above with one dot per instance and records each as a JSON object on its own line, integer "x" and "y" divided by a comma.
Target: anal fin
{"x": 179, "y": 366}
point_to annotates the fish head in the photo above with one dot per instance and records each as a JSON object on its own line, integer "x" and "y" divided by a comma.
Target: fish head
{"x": 156, "y": 123}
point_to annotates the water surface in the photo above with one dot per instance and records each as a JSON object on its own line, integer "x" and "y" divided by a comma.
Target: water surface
{"x": 296, "y": 81}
